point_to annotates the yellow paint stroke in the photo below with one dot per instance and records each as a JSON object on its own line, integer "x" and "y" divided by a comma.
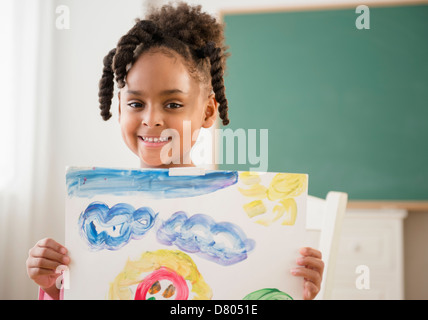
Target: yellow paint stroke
{"x": 283, "y": 188}
{"x": 256, "y": 191}
{"x": 277, "y": 212}
{"x": 249, "y": 178}
{"x": 287, "y": 185}
{"x": 288, "y": 206}
{"x": 149, "y": 261}
{"x": 254, "y": 208}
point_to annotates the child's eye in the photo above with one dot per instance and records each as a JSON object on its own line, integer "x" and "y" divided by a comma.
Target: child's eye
{"x": 135, "y": 105}
{"x": 173, "y": 105}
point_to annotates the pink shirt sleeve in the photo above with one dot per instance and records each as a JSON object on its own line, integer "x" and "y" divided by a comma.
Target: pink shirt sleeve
{"x": 44, "y": 296}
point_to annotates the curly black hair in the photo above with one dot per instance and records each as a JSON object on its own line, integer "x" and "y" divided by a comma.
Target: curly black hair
{"x": 185, "y": 29}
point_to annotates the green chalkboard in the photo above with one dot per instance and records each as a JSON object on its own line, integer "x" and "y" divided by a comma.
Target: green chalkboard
{"x": 347, "y": 106}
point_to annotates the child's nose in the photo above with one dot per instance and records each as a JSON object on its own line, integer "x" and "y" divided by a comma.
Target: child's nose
{"x": 152, "y": 118}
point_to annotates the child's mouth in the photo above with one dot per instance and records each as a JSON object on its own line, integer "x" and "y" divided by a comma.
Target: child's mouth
{"x": 153, "y": 141}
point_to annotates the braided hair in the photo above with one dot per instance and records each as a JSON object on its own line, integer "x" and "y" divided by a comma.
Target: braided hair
{"x": 193, "y": 34}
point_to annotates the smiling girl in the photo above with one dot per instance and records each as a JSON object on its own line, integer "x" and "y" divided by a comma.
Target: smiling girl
{"x": 155, "y": 104}
{"x": 169, "y": 68}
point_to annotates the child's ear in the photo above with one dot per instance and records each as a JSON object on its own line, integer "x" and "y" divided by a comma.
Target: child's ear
{"x": 210, "y": 111}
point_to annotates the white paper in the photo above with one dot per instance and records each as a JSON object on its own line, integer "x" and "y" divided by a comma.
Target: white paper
{"x": 260, "y": 256}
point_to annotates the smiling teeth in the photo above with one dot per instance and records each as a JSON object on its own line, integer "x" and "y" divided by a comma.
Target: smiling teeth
{"x": 154, "y": 140}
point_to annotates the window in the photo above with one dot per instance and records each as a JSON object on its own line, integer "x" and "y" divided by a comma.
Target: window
{"x": 7, "y": 87}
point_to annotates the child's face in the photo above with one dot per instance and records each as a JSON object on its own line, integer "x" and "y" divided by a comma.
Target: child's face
{"x": 161, "y": 94}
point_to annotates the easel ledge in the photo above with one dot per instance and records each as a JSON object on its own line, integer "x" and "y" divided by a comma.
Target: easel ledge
{"x": 379, "y": 204}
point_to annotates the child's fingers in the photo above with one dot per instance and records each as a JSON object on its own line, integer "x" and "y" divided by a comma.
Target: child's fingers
{"x": 52, "y": 244}
{"x": 309, "y": 274}
{"x": 43, "y": 263}
{"x": 310, "y": 290}
{"x": 43, "y": 277}
{"x": 310, "y": 252}
{"x": 41, "y": 267}
{"x": 50, "y": 254}
{"x": 37, "y": 271}
{"x": 310, "y": 262}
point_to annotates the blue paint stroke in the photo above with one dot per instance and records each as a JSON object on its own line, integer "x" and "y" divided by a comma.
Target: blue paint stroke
{"x": 153, "y": 183}
{"x": 200, "y": 233}
{"x": 112, "y": 228}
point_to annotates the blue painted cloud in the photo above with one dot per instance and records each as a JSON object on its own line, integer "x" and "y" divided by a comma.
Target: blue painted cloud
{"x": 112, "y": 228}
{"x": 224, "y": 243}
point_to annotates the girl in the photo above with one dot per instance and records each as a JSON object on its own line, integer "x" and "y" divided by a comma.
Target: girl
{"x": 169, "y": 69}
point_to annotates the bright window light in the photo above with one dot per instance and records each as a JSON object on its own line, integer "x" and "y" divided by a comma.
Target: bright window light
{"x": 7, "y": 93}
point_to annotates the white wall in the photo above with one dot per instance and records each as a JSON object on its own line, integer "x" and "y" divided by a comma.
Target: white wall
{"x": 79, "y": 136}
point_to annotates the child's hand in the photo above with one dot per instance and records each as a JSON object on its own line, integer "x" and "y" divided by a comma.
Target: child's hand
{"x": 312, "y": 268}
{"x": 43, "y": 261}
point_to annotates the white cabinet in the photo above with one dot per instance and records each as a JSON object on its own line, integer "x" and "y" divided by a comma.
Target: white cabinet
{"x": 373, "y": 240}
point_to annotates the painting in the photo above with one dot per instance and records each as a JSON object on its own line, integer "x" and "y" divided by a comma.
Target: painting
{"x": 148, "y": 234}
